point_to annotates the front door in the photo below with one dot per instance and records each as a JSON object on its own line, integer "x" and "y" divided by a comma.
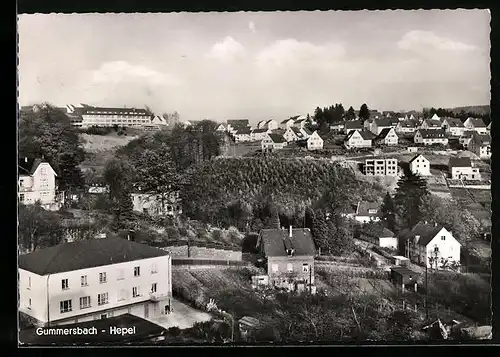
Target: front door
{"x": 146, "y": 310}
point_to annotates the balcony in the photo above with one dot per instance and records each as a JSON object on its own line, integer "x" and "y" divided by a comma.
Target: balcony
{"x": 156, "y": 297}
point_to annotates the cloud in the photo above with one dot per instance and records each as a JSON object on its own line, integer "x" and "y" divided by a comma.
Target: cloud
{"x": 120, "y": 71}
{"x": 226, "y": 50}
{"x": 296, "y": 53}
{"x": 251, "y": 26}
{"x": 423, "y": 40}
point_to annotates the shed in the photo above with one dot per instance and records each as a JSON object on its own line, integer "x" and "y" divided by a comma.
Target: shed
{"x": 399, "y": 260}
{"x": 404, "y": 276}
{"x": 247, "y": 324}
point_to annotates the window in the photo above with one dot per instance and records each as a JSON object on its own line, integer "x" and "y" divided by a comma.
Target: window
{"x": 121, "y": 274}
{"x": 83, "y": 280}
{"x": 135, "y": 291}
{"x": 29, "y": 303}
{"x": 65, "y": 306}
{"x": 305, "y": 267}
{"x": 153, "y": 287}
{"x": 289, "y": 267}
{"x": 29, "y": 282}
{"x": 102, "y": 299}
{"x": 137, "y": 271}
{"x": 154, "y": 269}
{"x": 65, "y": 284}
{"x": 21, "y": 197}
{"x": 84, "y": 302}
{"x": 443, "y": 237}
{"x": 275, "y": 268}
{"x": 102, "y": 278}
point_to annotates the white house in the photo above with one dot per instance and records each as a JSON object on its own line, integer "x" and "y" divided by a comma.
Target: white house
{"x": 314, "y": 142}
{"x": 352, "y": 125}
{"x": 271, "y": 124}
{"x": 436, "y": 117}
{"x": 261, "y": 124}
{"x": 293, "y": 134}
{"x": 287, "y": 123}
{"x": 151, "y": 204}
{"x": 462, "y": 168}
{"x": 159, "y": 121}
{"x": 377, "y": 125}
{"x": 258, "y": 134}
{"x": 387, "y": 239}
{"x": 387, "y": 136}
{"x": 466, "y": 138}
{"x": 37, "y": 182}
{"x": 338, "y": 126}
{"x": 358, "y": 139}
{"x": 430, "y": 137}
{"x": 420, "y": 165}
{"x": 367, "y": 212}
{"x": 453, "y": 126}
{"x": 431, "y": 243}
{"x": 221, "y": 127}
{"x": 480, "y": 145}
{"x": 242, "y": 135}
{"x": 300, "y": 122}
{"x": 273, "y": 142}
{"x": 476, "y": 124}
{"x": 94, "y": 279}
{"x": 406, "y": 126}
{"x": 429, "y": 124}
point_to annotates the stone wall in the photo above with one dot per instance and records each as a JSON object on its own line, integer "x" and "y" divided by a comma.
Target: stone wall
{"x": 181, "y": 251}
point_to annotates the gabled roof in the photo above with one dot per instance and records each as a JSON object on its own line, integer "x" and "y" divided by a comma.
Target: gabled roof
{"x": 354, "y": 124}
{"x": 268, "y": 121}
{"x": 432, "y": 123}
{"x": 259, "y": 131}
{"x": 366, "y": 135}
{"x": 86, "y": 254}
{"x": 243, "y": 131}
{"x": 307, "y": 131}
{"x": 416, "y": 157}
{"x": 384, "y": 133}
{"x": 383, "y": 122}
{"x": 408, "y": 123}
{"x": 298, "y": 133}
{"x": 261, "y": 122}
{"x": 468, "y": 134}
{"x": 426, "y": 231}
{"x": 483, "y": 139}
{"x": 28, "y": 166}
{"x": 460, "y": 162}
{"x": 287, "y": 120}
{"x": 277, "y": 241}
{"x": 277, "y": 138}
{"x": 298, "y": 121}
{"x": 477, "y": 122}
{"x": 432, "y": 133}
{"x": 238, "y": 122}
{"x": 454, "y": 122}
{"x": 364, "y": 207}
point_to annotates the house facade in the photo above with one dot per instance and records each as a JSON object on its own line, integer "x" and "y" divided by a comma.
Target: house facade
{"x": 300, "y": 122}
{"x": 480, "y": 145}
{"x": 242, "y": 135}
{"x": 94, "y": 279}
{"x": 151, "y": 204}
{"x": 387, "y": 239}
{"x": 221, "y": 128}
{"x": 420, "y": 165}
{"x": 462, "y": 168}
{"x": 338, "y": 127}
{"x": 271, "y": 125}
{"x": 290, "y": 257}
{"x": 453, "y": 126}
{"x": 88, "y": 116}
{"x": 358, "y": 139}
{"x": 37, "y": 182}
{"x": 381, "y": 167}
{"x": 314, "y": 142}
{"x": 476, "y": 124}
{"x": 430, "y": 244}
{"x": 377, "y": 125}
{"x": 367, "y": 212}
{"x": 430, "y": 137}
{"x": 293, "y": 134}
{"x": 466, "y": 138}
{"x": 273, "y": 142}
{"x": 387, "y": 136}
{"x": 406, "y": 126}
{"x": 258, "y": 134}
{"x": 287, "y": 123}
{"x": 430, "y": 124}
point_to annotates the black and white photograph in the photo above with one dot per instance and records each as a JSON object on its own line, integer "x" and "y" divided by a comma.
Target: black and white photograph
{"x": 254, "y": 178}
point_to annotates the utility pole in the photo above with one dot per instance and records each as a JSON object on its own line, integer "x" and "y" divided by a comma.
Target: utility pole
{"x": 426, "y": 294}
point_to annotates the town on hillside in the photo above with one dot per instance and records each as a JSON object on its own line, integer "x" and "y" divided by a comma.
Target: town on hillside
{"x": 340, "y": 224}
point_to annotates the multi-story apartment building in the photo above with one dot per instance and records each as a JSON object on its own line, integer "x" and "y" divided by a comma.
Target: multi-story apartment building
{"x": 37, "y": 182}
{"x": 381, "y": 167}
{"x": 430, "y": 137}
{"x": 87, "y": 116}
{"x": 94, "y": 279}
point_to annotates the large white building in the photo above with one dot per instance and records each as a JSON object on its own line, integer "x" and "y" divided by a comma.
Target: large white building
{"x": 476, "y": 124}
{"x": 314, "y": 142}
{"x": 430, "y": 137}
{"x": 94, "y": 279}
{"x": 420, "y": 165}
{"x": 86, "y": 116}
{"x": 462, "y": 168}
{"x": 37, "y": 182}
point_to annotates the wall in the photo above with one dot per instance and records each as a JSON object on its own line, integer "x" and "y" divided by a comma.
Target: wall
{"x": 181, "y": 251}
{"x": 37, "y": 292}
{"x": 113, "y": 286}
{"x": 447, "y": 248}
{"x": 296, "y": 262}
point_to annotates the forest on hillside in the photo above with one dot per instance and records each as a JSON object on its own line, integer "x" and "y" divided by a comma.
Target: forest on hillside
{"x": 246, "y": 192}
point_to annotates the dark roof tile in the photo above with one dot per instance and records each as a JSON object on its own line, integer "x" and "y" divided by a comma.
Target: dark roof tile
{"x": 277, "y": 241}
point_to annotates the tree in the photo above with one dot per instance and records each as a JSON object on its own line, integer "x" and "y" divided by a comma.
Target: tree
{"x": 350, "y": 114}
{"x": 388, "y": 212}
{"x": 47, "y": 132}
{"x": 155, "y": 173}
{"x": 38, "y": 228}
{"x": 320, "y": 230}
{"x": 410, "y": 192}
{"x": 364, "y": 112}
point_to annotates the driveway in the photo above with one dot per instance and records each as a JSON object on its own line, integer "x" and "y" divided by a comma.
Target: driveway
{"x": 182, "y": 316}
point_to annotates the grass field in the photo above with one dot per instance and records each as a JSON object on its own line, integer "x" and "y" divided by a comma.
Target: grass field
{"x": 100, "y": 143}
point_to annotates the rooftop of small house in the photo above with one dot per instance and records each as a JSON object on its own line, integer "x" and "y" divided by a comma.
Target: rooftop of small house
{"x": 454, "y": 122}
{"x": 277, "y": 138}
{"x": 238, "y": 122}
{"x": 354, "y": 124}
{"x": 249, "y": 321}
{"x": 278, "y": 242}
{"x": 432, "y": 133}
{"x": 460, "y": 162}
{"x": 433, "y": 123}
{"x": 298, "y": 133}
{"x": 426, "y": 230}
{"x": 404, "y": 271}
{"x": 477, "y": 122}
{"x": 367, "y": 208}
{"x": 419, "y": 156}
{"x": 383, "y": 134}
{"x": 28, "y": 166}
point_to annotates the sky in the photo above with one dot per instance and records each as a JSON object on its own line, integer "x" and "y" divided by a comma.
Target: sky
{"x": 258, "y": 65}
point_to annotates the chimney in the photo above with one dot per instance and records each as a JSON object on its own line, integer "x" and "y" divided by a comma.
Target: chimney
{"x": 290, "y": 232}
{"x": 25, "y": 159}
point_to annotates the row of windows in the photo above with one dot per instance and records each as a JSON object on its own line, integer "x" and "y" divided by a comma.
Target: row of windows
{"x": 102, "y": 299}
{"x": 289, "y": 268}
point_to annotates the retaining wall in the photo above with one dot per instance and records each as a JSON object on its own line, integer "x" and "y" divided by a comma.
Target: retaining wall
{"x": 181, "y": 251}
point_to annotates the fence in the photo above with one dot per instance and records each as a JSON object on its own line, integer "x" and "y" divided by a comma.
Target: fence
{"x": 177, "y": 262}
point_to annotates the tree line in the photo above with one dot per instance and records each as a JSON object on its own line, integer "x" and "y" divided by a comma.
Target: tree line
{"x": 462, "y": 114}
{"x": 335, "y": 113}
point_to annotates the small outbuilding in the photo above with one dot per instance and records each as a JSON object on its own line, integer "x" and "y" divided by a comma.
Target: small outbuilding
{"x": 403, "y": 276}
{"x": 248, "y": 324}
{"x": 399, "y": 260}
